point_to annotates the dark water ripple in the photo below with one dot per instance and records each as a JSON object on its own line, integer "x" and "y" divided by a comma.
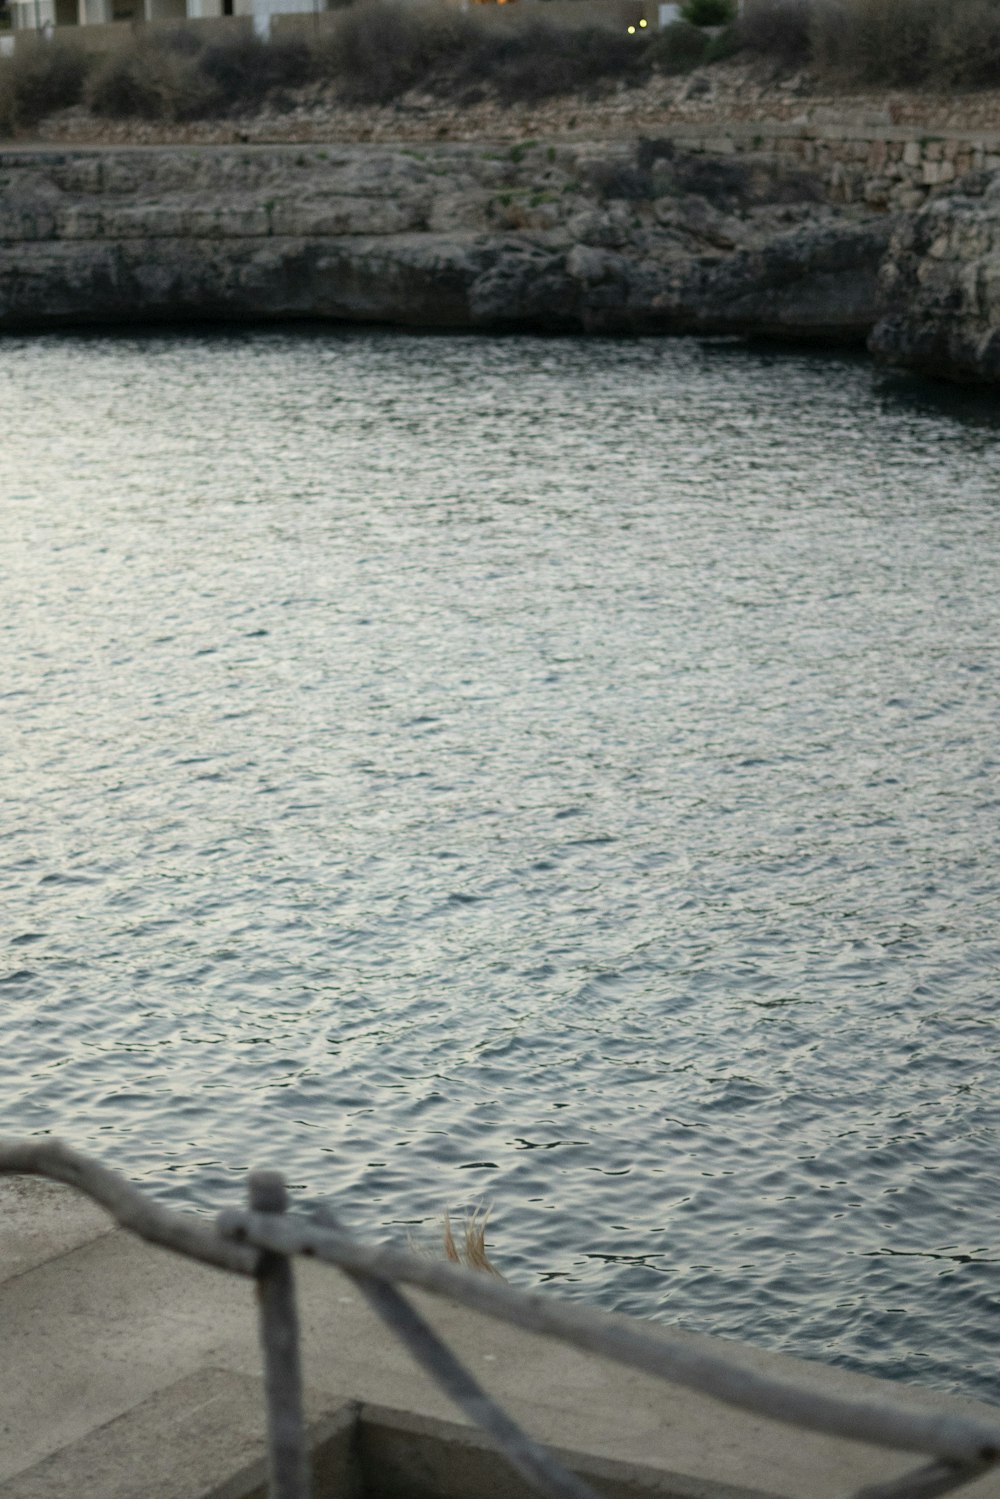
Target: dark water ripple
{"x": 561, "y": 774}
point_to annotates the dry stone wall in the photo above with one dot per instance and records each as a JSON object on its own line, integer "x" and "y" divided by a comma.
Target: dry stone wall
{"x": 881, "y": 165}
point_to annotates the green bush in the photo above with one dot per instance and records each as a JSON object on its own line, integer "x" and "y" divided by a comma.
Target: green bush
{"x": 708, "y": 12}
{"x": 678, "y": 48}
{"x": 40, "y": 77}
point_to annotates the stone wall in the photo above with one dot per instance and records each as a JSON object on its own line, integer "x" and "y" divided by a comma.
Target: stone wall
{"x": 882, "y": 165}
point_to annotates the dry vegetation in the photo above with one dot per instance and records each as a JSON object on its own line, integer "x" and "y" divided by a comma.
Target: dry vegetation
{"x": 471, "y": 1249}
{"x": 377, "y": 51}
{"x": 939, "y": 44}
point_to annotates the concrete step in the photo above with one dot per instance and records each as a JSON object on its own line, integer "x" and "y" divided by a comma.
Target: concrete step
{"x": 402, "y": 1456}
{"x": 202, "y": 1437}
{"x": 98, "y": 1328}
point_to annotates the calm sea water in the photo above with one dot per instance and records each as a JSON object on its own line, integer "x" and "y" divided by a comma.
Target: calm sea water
{"x": 549, "y": 773}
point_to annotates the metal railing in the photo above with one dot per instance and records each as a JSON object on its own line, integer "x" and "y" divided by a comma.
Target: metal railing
{"x": 262, "y": 1242}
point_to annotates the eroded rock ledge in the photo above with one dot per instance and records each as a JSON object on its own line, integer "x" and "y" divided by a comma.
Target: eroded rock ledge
{"x": 611, "y": 238}
{"x": 616, "y": 237}
{"x": 940, "y": 295}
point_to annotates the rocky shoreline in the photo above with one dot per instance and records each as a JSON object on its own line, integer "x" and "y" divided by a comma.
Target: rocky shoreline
{"x": 618, "y": 236}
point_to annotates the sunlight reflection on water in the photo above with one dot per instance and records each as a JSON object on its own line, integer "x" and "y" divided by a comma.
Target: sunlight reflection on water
{"x": 551, "y": 772}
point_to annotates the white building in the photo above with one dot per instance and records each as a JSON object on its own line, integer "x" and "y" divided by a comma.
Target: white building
{"x": 45, "y": 15}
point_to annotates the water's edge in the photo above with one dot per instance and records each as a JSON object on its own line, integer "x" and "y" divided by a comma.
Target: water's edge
{"x": 595, "y": 238}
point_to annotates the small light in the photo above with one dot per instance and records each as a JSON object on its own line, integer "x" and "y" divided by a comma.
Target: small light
{"x": 643, "y": 23}
{"x": 631, "y": 31}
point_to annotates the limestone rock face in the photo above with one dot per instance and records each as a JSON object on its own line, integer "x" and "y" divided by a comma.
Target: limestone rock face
{"x": 605, "y": 238}
{"x": 940, "y": 286}
{"x": 819, "y": 282}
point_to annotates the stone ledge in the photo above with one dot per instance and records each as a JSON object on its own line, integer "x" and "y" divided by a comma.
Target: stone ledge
{"x": 401, "y": 1456}
{"x": 200, "y": 1438}
{"x": 38, "y": 1223}
{"x": 115, "y": 1337}
{"x": 203, "y": 1438}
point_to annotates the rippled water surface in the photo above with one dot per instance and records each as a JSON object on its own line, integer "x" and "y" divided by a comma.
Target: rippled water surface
{"x": 553, "y": 773}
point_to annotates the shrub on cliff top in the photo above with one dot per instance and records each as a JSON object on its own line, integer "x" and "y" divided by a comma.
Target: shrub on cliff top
{"x": 899, "y": 43}
{"x": 708, "y": 12}
{"x": 678, "y": 48}
{"x": 154, "y": 77}
{"x": 377, "y": 51}
{"x": 779, "y": 29}
{"x": 177, "y": 75}
{"x": 907, "y": 43}
{"x": 40, "y": 77}
{"x": 244, "y": 69}
{"x": 877, "y": 41}
{"x": 967, "y": 45}
{"x": 534, "y": 59}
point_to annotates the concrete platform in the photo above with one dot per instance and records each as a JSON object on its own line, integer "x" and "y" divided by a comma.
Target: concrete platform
{"x": 128, "y": 1371}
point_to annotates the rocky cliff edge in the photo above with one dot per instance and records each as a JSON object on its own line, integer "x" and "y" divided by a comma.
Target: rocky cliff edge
{"x": 613, "y": 238}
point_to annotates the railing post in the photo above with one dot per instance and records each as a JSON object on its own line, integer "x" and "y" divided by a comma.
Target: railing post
{"x": 279, "y": 1338}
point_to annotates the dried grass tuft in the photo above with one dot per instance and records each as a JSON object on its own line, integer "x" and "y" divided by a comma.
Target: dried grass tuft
{"x": 473, "y": 1243}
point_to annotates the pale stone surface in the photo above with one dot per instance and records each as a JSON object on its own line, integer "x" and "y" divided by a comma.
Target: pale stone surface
{"x": 194, "y": 1438}
{"x": 115, "y": 1327}
{"x": 40, "y": 1220}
